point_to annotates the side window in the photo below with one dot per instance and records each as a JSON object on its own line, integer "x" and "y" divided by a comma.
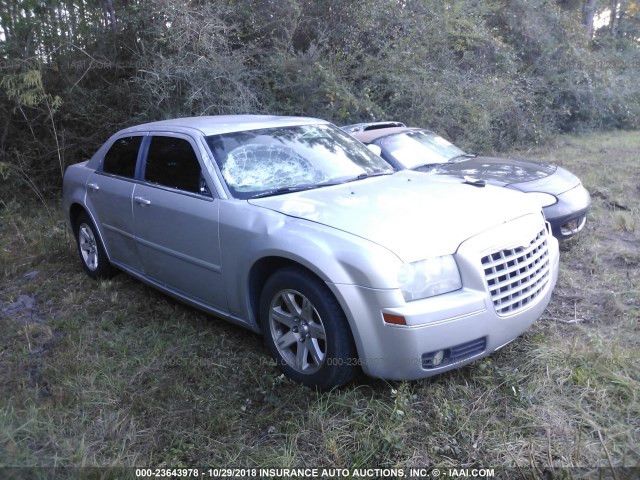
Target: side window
{"x": 173, "y": 163}
{"x": 121, "y": 157}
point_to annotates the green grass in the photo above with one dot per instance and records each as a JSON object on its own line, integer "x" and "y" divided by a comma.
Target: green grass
{"x": 113, "y": 373}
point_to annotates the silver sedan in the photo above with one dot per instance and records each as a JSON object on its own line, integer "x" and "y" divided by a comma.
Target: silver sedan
{"x": 290, "y": 227}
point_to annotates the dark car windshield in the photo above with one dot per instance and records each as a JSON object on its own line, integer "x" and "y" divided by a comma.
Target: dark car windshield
{"x": 280, "y": 160}
{"x": 419, "y": 147}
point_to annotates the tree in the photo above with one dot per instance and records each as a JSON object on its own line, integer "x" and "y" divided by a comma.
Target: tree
{"x": 487, "y": 74}
{"x": 588, "y": 14}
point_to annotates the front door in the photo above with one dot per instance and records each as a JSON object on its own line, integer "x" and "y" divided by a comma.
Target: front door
{"x": 176, "y": 221}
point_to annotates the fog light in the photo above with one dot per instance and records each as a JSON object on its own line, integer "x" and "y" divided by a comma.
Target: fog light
{"x": 574, "y": 226}
{"x": 437, "y": 358}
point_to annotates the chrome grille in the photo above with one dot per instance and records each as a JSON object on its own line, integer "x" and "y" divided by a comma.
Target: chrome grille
{"x": 517, "y": 276}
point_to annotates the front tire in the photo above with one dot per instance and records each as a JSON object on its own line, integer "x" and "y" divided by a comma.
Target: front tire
{"x": 306, "y": 330}
{"x": 92, "y": 253}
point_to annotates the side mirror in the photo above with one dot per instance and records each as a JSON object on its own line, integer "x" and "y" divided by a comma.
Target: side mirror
{"x": 375, "y": 149}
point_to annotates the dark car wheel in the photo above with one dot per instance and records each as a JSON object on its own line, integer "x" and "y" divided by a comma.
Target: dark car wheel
{"x": 306, "y": 330}
{"x": 92, "y": 254}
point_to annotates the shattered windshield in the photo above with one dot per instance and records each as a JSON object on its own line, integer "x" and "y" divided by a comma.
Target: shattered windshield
{"x": 419, "y": 147}
{"x": 278, "y": 160}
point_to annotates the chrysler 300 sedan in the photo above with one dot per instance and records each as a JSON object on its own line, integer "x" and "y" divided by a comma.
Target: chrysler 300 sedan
{"x": 290, "y": 227}
{"x": 564, "y": 200}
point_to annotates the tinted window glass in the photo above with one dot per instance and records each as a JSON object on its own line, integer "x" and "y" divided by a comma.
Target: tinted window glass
{"x": 121, "y": 157}
{"x": 173, "y": 163}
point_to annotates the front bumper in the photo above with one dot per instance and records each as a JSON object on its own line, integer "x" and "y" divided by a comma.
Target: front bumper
{"x": 569, "y": 215}
{"x": 464, "y": 323}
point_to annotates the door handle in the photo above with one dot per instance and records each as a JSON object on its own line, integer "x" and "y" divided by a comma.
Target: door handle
{"x": 142, "y": 201}
{"x": 93, "y": 186}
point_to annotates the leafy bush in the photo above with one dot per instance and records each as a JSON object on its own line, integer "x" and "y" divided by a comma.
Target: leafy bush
{"x": 310, "y": 84}
{"x": 190, "y": 65}
{"x": 489, "y": 75}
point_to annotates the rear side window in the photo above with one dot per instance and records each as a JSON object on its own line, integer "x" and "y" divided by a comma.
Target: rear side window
{"x": 121, "y": 157}
{"x": 173, "y": 163}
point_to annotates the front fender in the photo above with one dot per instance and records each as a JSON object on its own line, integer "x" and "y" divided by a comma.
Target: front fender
{"x": 249, "y": 233}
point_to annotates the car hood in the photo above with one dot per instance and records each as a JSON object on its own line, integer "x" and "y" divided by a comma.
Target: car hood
{"x": 413, "y": 215}
{"x": 517, "y": 173}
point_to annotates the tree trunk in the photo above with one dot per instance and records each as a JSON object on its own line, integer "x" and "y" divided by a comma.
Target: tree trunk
{"x": 588, "y": 12}
{"x": 612, "y": 20}
{"x": 621, "y": 15}
{"x": 109, "y": 13}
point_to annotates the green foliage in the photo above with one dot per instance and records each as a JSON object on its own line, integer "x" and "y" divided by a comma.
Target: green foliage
{"x": 26, "y": 89}
{"x": 310, "y": 84}
{"x": 26, "y": 93}
{"x": 454, "y": 76}
{"x": 489, "y": 75}
{"x": 191, "y": 66}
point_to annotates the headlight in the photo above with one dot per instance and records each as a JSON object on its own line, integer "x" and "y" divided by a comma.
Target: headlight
{"x": 544, "y": 199}
{"x": 427, "y": 278}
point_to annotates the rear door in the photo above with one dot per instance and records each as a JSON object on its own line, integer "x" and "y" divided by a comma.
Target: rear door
{"x": 176, "y": 220}
{"x": 109, "y": 197}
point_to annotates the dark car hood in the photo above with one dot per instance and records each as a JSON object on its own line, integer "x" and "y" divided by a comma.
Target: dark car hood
{"x": 501, "y": 171}
{"x": 518, "y": 173}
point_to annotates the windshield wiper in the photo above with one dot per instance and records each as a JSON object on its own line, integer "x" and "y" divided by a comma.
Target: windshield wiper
{"x": 283, "y": 190}
{"x": 362, "y": 176}
{"x": 461, "y": 157}
{"x": 425, "y": 166}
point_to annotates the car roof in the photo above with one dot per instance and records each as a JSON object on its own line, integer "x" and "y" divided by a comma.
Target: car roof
{"x": 212, "y": 125}
{"x": 369, "y": 136}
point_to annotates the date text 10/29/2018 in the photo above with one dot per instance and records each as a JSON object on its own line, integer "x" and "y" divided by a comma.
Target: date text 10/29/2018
{"x": 242, "y": 473}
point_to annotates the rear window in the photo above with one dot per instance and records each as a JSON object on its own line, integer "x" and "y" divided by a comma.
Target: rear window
{"x": 122, "y": 156}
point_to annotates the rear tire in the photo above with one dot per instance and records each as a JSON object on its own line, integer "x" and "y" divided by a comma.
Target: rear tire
{"x": 92, "y": 253}
{"x": 306, "y": 330}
